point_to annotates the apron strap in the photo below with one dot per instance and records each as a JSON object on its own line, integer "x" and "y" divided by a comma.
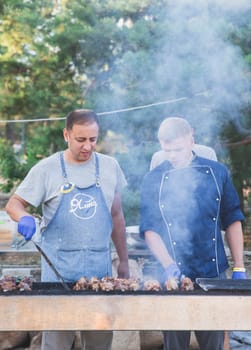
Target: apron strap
{"x": 97, "y": 170}
{"x": 66, "y": 181}
{"x": 61, "y": 154}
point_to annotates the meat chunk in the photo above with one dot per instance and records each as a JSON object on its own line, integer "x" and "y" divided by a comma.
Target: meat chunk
{"x": 152, "y": 285}
{"x": 134, "y": 284}
{"x": 94, "y": 283}
{"x": 10, "y": 283}
{"x": 183, "y": 284}
{"x": 106, "y": 284}
{"x": 172, "y": 284}
{"x": 186, "y": 284}
{"x": 81, "y": 284}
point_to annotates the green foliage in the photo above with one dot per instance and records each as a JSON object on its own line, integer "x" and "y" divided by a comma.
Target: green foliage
{"x": 239, "y": 153}
{"x": 10, "y": 168}
{"x": 34, "y": 75}
{"x": 42, "y": 141}
{"x": 115, "y": 54}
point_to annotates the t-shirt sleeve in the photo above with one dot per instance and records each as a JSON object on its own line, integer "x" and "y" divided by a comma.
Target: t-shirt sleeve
{"x": 31, "y": 188}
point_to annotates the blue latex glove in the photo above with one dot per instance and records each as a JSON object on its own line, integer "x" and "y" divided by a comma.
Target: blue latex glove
{"x": 172, "y": 270}
{"x": 27, "y": 226}
{"x": 239, "y": 273}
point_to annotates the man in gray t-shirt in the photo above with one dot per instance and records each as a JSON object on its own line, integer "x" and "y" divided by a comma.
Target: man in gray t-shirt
{"x": 80, "y": 193}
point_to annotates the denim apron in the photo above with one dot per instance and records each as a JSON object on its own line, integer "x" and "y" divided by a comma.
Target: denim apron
{"x": 189, "y": 202}
{"x": 77, "y": 239}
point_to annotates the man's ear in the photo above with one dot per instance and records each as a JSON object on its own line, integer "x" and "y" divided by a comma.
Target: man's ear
{"x": 66, "y": 135}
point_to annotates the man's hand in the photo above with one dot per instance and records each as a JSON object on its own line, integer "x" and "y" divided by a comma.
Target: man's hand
{"x": 123, "y": 270}
{"x": 27, "y": 226}
{"x": 239, "y": 273}
{"x": 172, "y": 270}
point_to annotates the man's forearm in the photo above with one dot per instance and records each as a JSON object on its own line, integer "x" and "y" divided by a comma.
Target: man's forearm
{"x": 119, "y": 237}
{"x": 234, "y": 237}
{"x": 16, "y": 207}
{"x": 158, "y": 248}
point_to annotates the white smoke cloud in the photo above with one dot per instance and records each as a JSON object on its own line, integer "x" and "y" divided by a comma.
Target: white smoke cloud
{"x": 197, "y": 56}
{"x": 234, "y": 5}
{"x": 184, "y": 52}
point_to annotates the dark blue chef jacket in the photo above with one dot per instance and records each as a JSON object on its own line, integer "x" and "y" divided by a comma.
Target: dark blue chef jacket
{"x": 189, "y": 207}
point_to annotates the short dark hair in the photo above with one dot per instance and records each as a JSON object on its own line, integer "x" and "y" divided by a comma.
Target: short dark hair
{"x": 81, "y": 116}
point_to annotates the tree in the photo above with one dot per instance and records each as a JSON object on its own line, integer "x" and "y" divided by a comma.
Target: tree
{"x": 150, "y": 59}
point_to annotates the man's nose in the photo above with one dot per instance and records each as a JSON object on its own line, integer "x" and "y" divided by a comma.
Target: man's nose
{"x": 87, "y": 146}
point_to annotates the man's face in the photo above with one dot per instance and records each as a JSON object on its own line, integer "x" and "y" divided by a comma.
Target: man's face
{"x": 179, "y": 151}
{"x": 82, "y": 139}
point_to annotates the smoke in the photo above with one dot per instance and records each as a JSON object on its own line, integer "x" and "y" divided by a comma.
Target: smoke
{"x": 198, "y": 56}
{"x": 232, "y": 5}
{"x": 186, "y": 51}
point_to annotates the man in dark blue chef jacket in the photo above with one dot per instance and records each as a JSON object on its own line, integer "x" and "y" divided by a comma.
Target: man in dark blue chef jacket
{"x": 186, "y": 202}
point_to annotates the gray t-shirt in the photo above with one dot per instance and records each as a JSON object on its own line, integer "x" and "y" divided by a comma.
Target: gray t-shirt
{"x": 43, "y": 182}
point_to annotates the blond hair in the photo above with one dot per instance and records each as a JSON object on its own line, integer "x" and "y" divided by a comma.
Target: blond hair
{"x": 174, "y": 127}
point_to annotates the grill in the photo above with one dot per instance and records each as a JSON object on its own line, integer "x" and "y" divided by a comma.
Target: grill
{"x": 203, "y": 286}
{"x": 49, "y": 307}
